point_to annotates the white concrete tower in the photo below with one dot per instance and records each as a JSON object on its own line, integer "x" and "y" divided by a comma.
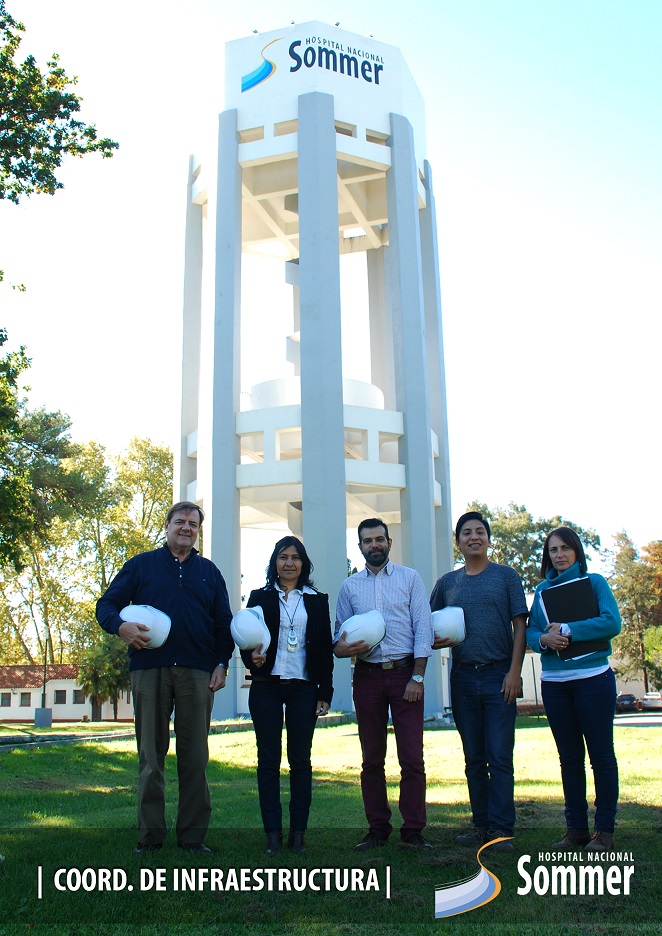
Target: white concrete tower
{"x": 321, "y": 153}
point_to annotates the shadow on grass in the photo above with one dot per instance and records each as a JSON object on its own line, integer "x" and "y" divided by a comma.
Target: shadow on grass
{"x": 330, "y": 885}
{"x": 74, "y": 808}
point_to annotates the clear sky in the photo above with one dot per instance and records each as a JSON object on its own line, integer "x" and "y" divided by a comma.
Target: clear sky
{"x": 545, "y": 140}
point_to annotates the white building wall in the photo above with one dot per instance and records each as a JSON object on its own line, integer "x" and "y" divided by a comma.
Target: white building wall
{"x": 66, "y": 711}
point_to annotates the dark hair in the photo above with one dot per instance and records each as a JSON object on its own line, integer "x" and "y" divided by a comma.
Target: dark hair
{"x": 370, "y": 523}
{"x": 570, "y": 538}
{"x": 184, "y": 507}
{"x": 306, "y": 564}
{"x": 472, "y": 515}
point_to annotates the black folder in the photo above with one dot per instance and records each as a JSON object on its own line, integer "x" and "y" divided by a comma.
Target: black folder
{"x": 573, "y": 601}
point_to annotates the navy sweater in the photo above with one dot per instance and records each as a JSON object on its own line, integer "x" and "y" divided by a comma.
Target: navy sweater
{"x": 191, "y": 593}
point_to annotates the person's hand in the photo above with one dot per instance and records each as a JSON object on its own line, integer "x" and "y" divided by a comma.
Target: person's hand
{"x": 553, "y": 639}
{"x": 511, "y": 686}
{"x": 258, "y": 658}
{"x": 345, "y": 649}
{"x": 440, "y": 642}
{"x": 218, "y": 677}
{"x": 134, "y": 635}
{"x": 413, "y": 691}
{"x": 322, "y": 707}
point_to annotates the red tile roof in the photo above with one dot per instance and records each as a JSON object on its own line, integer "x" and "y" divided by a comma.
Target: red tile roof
{"x": 32, "y": 677}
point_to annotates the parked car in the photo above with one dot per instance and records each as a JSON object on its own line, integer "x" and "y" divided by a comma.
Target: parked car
{"x": 652, "y": 700}
{"x": 626, "y": 702}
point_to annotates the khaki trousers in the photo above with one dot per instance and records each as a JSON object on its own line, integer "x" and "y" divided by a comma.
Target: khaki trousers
{"x": 155, "y": 693}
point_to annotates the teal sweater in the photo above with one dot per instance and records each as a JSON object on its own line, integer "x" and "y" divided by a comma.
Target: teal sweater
{"x": 606, "y": 626}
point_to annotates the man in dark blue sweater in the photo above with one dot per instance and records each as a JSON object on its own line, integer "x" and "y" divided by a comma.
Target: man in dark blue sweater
{"x": 183, "y": 673}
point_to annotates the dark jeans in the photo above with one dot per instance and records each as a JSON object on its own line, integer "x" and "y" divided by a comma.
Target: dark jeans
{"x": 581, "y": 710}
{"x": 155, "y": 692}
{"x": 265, "y": 702}
{"x": 375, "y": 690}
{"x": 487, "y": 727}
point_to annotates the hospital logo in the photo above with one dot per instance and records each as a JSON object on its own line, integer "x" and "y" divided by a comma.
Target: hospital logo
{"x": 474, "y": 891}
{"x": 260, "y": 74}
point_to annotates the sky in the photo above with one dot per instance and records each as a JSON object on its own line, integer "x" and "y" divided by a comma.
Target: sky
{"x": 544, "y": 133}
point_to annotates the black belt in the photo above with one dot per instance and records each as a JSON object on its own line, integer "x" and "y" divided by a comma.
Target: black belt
{"x": 269, "y": 677}
{"x": 479, "y": 666}
{"x": 388, "y": 664}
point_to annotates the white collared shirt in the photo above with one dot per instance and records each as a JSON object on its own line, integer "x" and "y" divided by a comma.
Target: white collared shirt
{"x": 292, "y": 664}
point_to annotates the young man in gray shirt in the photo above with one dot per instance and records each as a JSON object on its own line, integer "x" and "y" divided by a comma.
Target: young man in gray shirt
{"x": 485, "y": 677}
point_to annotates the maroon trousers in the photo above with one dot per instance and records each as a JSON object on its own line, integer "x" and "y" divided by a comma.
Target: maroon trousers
{"x": 375, "y": 690}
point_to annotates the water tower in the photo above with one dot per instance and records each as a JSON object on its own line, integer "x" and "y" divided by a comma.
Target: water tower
{"x": 321, "y": 154}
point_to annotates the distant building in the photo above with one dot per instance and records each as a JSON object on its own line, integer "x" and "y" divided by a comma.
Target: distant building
{"x": 21, "y": 690}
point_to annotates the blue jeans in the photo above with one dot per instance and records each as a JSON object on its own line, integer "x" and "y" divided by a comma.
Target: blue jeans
{"x": 487, "y": 727}
{"x": 581, "y": 710}
{"x": 266, "y": 699}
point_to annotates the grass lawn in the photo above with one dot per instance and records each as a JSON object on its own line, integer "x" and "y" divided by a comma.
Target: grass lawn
{"x": 73, "y": 807}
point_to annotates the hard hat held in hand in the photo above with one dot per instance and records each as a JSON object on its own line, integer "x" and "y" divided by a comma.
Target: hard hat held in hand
{"x": 369, "y": 626}
{"x": 157, "y": 621}
{"x": 449, "y": 623}
{"x": 249, "y": 630}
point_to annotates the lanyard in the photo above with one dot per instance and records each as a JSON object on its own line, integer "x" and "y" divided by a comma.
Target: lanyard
{"x": 292, "y": 639}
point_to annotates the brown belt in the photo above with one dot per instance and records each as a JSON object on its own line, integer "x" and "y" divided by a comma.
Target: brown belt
{"x": 388, "y": 664}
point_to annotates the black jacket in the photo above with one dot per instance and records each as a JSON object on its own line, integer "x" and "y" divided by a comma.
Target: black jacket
{"x": 319, "y": 647}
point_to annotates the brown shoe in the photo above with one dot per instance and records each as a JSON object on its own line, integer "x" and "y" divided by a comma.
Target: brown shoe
{"x": 601, "y": 841}
{"x": 573, "y": 838}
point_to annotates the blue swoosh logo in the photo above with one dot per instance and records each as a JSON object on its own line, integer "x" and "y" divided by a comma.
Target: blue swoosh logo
{"x": 470, "y": 893}
{"x": 260, "y": 74}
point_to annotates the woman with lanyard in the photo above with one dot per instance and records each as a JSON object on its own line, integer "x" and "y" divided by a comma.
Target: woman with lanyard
{"x": 578, "y": 686}
{"x": 295, "y": 673}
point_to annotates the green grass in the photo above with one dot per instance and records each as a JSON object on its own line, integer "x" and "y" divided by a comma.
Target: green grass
{"x": 74, "y": 807}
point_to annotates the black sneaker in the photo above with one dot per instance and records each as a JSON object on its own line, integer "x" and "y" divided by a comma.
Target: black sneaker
{"x": 370, "y": 841}
{"x": 197, "y": 848}
{"x": 141, "y": 849}
{"x": 505, "y": 846}
{"x": 417, "y": 841}
{"x": 474, "y": 838}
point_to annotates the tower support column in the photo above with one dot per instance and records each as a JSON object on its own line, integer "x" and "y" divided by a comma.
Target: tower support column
{"x": 405, "y": 295}
{"x": 322, "y": 424}
{"x": 221, "y": 531}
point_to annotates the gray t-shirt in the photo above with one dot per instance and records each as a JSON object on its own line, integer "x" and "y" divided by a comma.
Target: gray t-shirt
{"x": 490, "y": 600}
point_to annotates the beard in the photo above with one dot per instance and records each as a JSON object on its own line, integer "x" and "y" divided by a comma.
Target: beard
{"x": 376, "y": 557}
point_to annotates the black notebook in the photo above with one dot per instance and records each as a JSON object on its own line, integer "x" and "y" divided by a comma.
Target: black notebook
{"x": 573, "y": 601}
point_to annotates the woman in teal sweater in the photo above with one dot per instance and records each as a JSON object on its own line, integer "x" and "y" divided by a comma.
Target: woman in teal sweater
{"x": 579, "y": 692}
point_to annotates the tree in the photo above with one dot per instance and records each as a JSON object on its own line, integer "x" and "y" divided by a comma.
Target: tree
{"x": 37, "y": 483}
{"x": 104, "y": 672}
{"x": 132, "y": 496}
{"x": 14, "y": 645}
{"x": 38, "y": 126}
{"x": 48, "y": 601}
{"x": 637, "y": 586}
{"x": 517, "y": 539}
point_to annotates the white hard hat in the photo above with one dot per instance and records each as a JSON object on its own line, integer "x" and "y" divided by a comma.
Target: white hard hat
{"x": 249, "y": 630}
{"x": 157, "y": 621}
{"x": 449, "y": 622}
{"x": 369, "y": 626}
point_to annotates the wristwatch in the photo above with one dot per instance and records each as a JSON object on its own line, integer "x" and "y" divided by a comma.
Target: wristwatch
{"x": 418, "y": 679}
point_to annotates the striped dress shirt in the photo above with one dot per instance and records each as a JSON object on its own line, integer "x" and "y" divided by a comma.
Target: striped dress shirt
{"x": 398, "y": 592}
